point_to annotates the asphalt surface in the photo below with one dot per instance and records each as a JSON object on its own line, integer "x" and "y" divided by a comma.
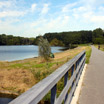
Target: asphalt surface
{"x": 92, "y": 91}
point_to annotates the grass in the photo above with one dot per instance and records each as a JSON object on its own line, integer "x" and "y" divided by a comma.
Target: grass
{"x": 101, "y": 47}
{"x": 88, "y": 54}
{"x": 85, "y": 44}
{"x": 19, "y": 76}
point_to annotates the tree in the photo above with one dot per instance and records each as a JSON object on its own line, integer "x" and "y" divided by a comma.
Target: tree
{"x": 44, "y": 48}
{"x": 98, "y": 33}
{"x": 56, "y": 42}
{"x": 15, "y": 40}
{"x": 98, "y": 41}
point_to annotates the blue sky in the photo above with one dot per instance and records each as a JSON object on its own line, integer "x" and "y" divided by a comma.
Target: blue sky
{"x": 30, "y": 18}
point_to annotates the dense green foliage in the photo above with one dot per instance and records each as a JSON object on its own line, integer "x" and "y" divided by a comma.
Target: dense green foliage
{"x": 58, "y": 39}
{"x": 13, "y": 40}
{"x": 77, "y": 37}
{"x": 56, "y": 42}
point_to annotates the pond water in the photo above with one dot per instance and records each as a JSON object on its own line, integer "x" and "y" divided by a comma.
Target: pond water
{"x": 5, "y": 100}
{"x": 12, "y": 53}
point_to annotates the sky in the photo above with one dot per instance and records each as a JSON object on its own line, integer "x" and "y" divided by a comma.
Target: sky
{"x": 30, "y": 18}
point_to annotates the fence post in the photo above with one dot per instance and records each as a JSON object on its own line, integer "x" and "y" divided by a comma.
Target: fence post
{"x": 76, "y": 73}
{"x": 72, "y": 71}
{"x": 53, "y": 94}
{"x": 65, "y": 82}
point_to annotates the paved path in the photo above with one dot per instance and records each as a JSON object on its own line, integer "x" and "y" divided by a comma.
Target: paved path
{"x": 92, "y": 91}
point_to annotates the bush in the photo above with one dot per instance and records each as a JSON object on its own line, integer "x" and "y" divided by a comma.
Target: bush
{"x": 44, "y": 48}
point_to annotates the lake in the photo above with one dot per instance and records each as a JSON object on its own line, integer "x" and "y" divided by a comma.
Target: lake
{"x": 5, "y": 100}
{"x": 20, "y": 52}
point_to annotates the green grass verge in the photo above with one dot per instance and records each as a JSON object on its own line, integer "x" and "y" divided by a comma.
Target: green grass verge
{"x": 84, "y": 44}
{"x": 101, "y": 47}
{"x": 88, "y": 54}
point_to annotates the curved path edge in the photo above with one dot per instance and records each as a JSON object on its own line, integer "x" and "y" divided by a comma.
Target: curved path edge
{"x": 78, "y": 88}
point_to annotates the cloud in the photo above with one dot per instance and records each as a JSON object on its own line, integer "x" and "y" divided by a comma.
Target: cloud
{"x": 42, "y": 26}
{"x": 11, "y": 8}
{"x": 45, "y": 9}
{"x": 101, "y": 10}
{"x": 92, "y": 15}
{"x": 5, "y": 4}
{"x": 38, "y": 22}
{"x": 93, "y": 18}
{"x": 93, "y": 3}
{"x": 67, "y": 7}
{"x": 12, "y": 14}
{"x": 33, "y": 7}
{"x": 97, "y": 19}
{"x": 58, "y": 22}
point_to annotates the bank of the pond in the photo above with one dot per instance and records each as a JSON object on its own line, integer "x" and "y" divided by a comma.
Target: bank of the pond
{"x": 18, "y": 76}
{"x": 69, "y": 47}
{"x": 7, "y": 96}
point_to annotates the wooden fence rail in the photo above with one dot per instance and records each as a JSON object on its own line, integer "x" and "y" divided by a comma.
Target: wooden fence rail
{"x": 38, "y": 91}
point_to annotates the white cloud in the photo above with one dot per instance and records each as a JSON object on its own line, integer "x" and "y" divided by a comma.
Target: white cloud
{"x": 92, "y": 3}
{"x": 33, "y": 7}
{"x": 81, "y": 11}
{"x": 52, "y": 25}
{"x": 7, "y": 28}
{"x": 5, "y": 4}
{"x": 101, "y": 9}
{"x": 10, "y": 8}
{"x": 38, "y": 22}
{"x": 45, "y": 9}
{"x": 12, "y": 13}
{"x": 57, "y": 23}
{"x": 97, "y": 19}
{"x": 66, "y": 20}
{"x": 67, "y": 7}
{"x": 89, "y": 15}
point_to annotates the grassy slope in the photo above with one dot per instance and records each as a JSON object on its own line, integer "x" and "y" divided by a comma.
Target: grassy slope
{"x": 19, "y": 76}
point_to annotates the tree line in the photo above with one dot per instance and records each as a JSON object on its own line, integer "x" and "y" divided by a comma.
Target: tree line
{"x": 76, "y": 37}
{"x": 15, "y": 40}
{"x": 58, "y": 39}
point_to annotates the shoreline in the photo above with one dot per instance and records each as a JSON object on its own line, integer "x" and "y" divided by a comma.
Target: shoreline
{"x": 62, "y": 49}
{"x": 8, "y": 94}
{"x": 35, "y": 56}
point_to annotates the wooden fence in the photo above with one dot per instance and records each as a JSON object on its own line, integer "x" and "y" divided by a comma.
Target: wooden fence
{"x": 38, "y": 91}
